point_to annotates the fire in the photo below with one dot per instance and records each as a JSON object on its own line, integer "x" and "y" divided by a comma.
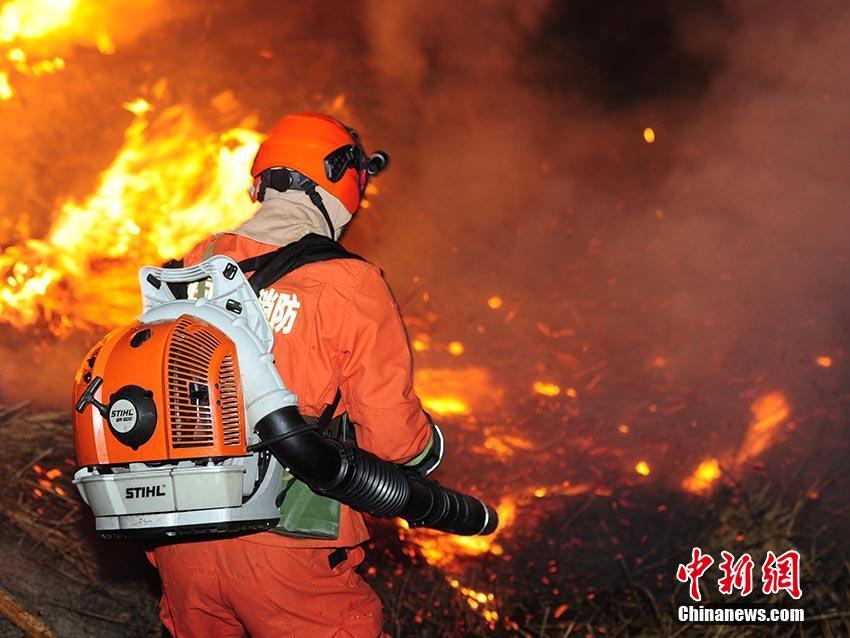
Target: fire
{"x": 824, "y": 361}
{"x": 45, "y": 480}
{"x": 420, "y": 345}
{"x": 648, "y": 135}
{"x": 642, "y": 468}
{"x": 478, "y": 600}
{"x": 704, "y": 477}
{"x": 547, "y": 389}
{"x": 22, "y": 20}
{"x": 6, "y": 92}
{"x": 494, "y": 302}
{"x": 563, "y": 489}
{"x": 172, "y": 183}
{"x": 450, "y": 391}
{"x": 445, "y": 406}
{"x": 505, "y": 445}
{"x": 444, "y": 550}
{"x": 769, "y": 412}
{"x": 34, "y": 32}
{"x": 28, "y": 19}
{"x": 456, "y": 348}
{"x": 659, "y": 362}
{"x": 104, "y": 44}
{"x": 441, "y": 549}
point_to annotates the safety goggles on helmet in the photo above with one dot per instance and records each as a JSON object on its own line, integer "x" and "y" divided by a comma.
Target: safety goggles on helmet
{"x": 353, "y": 156}
{"x": 341, "y": 159}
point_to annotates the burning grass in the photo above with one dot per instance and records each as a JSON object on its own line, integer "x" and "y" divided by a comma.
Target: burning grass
{"x": 173, "y": 183}
{"x": 571, "y": 560}
{"x": 617, "y": 580}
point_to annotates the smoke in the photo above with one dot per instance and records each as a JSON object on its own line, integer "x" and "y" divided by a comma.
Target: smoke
{"x": 705, "y": 268}
{"x": 749, "y": 252}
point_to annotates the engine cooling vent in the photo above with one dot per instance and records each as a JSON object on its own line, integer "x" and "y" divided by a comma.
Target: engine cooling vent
{"x": 189, "y": 357}
{"x": 231, "y": 423}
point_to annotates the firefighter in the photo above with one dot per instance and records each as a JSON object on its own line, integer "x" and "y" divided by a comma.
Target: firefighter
{"x": 341, "y": 346}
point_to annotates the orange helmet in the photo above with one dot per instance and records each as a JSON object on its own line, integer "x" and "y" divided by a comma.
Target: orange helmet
{"x": 321, "y": 149}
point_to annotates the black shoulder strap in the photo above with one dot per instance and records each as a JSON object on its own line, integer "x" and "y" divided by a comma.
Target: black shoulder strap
{"x": 327, "y": 414}
{"x": 270, "y": 267}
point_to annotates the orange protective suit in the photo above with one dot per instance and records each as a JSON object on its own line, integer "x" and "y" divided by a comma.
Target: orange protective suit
{"x": 336, "y": 325}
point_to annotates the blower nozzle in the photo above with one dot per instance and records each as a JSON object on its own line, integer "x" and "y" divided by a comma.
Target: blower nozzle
{"x": 366, "y": 483}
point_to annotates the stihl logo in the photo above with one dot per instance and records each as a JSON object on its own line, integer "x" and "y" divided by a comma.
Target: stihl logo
{"x": 145, "y": 492}
{"x": 117, "y": 413}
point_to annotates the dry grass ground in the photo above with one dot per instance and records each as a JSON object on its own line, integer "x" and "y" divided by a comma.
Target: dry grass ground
{"x": 617, "y": 556}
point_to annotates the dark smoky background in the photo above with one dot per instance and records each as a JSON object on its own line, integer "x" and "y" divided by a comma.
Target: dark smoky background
{"x": 710, "y": 265}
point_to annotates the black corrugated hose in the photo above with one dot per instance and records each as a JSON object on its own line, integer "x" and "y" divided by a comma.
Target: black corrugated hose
{"x": 367, "y": 483}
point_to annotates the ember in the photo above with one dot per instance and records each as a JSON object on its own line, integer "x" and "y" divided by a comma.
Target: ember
{"x": 547, "y": 389}
{"x": 703, "y": 477}
{"x": 642, "y": 468}
{"x": 456, "y": 348}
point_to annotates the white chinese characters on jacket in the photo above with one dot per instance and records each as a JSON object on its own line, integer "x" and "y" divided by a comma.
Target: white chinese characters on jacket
{"x": 281, "y": 309}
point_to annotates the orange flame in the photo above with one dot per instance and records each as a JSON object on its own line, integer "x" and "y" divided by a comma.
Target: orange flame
{"x": 33, "y": 32}
{"x": 440, "y": 549}
{"x": 504, "y": 445}
{"x": 6, "y": 92}
{"x": 478, "y": 600}
{"x": 22, "y": 20}
{"x": 547, "y": 389}
{"x": 450, "y": 391}
{"x": 172, "y": 183}
{"x": 29, "y": 19}
{"x": 704, "y": 477}
{"x": 824, "y": 361}
{"x": 769, "y": 412}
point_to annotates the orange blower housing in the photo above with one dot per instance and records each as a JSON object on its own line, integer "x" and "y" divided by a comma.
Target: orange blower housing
{"x": 162, "y": 410}
{"x": 195, "y": 388}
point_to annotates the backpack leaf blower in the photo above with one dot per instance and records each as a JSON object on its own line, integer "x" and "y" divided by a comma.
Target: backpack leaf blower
{"x": 183, "y": 425}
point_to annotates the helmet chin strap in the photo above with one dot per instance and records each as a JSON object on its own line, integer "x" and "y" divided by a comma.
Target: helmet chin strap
{"x": 316, "y": 198}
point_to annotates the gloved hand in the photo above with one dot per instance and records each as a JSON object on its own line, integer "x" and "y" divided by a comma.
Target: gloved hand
{"x": 430, "y": 458}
